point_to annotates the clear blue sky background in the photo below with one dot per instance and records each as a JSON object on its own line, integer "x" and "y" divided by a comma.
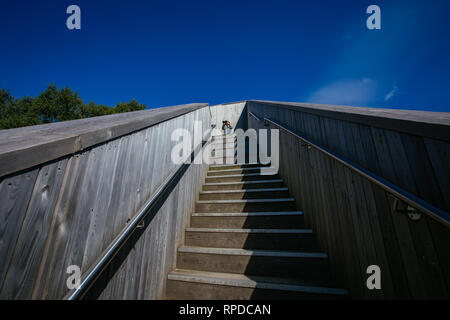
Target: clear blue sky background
{"x": 162, "y": 52}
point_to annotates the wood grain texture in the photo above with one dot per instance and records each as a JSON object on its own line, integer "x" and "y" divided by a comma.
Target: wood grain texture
{"x": 434, "y": 125}
{"x": 23, "y": 148}
{"x": 15, "y": 193}
{"x": 353, "y": 218}
{"x": 22, "y": 272}
{"x": 68, "y": 211}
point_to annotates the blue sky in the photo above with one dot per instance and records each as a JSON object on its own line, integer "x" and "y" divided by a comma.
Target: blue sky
{"x": 172, "y": 52}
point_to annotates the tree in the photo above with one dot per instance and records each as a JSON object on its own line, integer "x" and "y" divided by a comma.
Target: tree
{"x": 133, "y": 105}
{"x": 45, "y": 104}
{"x": 95, "y": 110}
{"x": 53, "y": 105}
{"x": 58, "y": 105}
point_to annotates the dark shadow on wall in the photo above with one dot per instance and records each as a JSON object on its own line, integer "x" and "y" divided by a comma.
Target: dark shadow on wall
{"x": 242, "y": 122}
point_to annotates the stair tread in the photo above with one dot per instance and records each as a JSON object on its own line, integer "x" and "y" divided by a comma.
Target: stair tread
{"x": 231, "y": 138}
{"x": 223, "y": 156}
{"x": 218, "y": 252}
{"x": 241, "y": 175}
{"x": 259, "y": 282}
{"x": 247, "y": 252}
{"x": 236, "y": 164}
{"x": 246, "y": 214}
{"x": 239, "y": 169}
{"x": 222, "y": 141}
{"x": 253, "y": 230}
{"x": 243, "y": 190}
{"x": 222, "y": 144}
{"x": 224, "y": 135}
{"x": 242, "y": 182}
{"x": 247, "y": 200}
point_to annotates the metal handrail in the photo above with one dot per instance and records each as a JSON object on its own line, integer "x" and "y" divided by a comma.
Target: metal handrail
{"x": 101, "y": 264}
{"x": 253, "y": 115}
{"x": 410, "y": 199}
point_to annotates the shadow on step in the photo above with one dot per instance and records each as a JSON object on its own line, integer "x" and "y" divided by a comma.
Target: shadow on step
{"x": 284, "y": 265}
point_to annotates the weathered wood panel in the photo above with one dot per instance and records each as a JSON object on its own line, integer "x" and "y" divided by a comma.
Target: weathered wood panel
{"x": 68, "y": 211}
{"x": 353, "y": 218}
{"x": 24, "y": 265}
{"x": 22, "y": 148}
{"x": 15, "y": 192}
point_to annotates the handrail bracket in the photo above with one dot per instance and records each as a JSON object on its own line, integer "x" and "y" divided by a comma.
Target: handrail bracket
{"x": 401, "y": 207}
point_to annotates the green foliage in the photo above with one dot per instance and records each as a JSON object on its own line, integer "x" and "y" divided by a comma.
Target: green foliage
{"x": 133, "y": 105}
{"x": 95, "y": 110}
{"x": 53, "y": 105}
{"x": 16, "y": 113}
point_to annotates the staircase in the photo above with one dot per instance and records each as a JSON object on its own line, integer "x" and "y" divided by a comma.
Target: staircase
{"x": 247, "y": 240}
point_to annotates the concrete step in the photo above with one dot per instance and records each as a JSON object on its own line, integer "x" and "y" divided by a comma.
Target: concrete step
{"x": 282, "y": 204}
{"x": 217, "y": 155}
{"x": 231, "y": 139}
{"x": 241, "y": 177}
{"x": 234, "y": 171}
{"x": 222, "y": 144}
{"x": 223, "y": 136}
{"x": 222, "y": 160}
{"x": 226, "y": 153}
{"x": 191, "y": 284}
{"x": 304, "y": 265}
{"x": 267, "y": 239}
{"x": 237, "y": 166}
{"x": 227, "y": 143}
{"x": 223, "y": 152}
{"x": 256, "y": 184}
{"x": 245, "y": 194}
{"x": 274, "y": 220}
{"x": 232, "y": 134}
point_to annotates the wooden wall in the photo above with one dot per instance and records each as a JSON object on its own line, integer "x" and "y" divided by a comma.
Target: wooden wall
{"x": 353, "y": 218}
{"x": 67, "y": 211}
{"x": 233, "y": 112}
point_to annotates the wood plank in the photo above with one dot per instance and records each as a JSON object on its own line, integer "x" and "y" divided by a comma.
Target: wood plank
{"x": 53, "y": 282}
{"x": 347, "y": 259}
{"x": 23, "y": 148}
{"x": 423, "y": 243}
{"x": 393, "y": 245}
{"x": 439, "y": 156}
{"x": 15, "y": 193}
{"x": 22, "y": 272}
{"x": 356, "y": 207}
{"x": 408, "y": 250}
{"x": 422, "y": 123}
{"x": 370, "y": 213}
{"x": 100, "y": 190}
